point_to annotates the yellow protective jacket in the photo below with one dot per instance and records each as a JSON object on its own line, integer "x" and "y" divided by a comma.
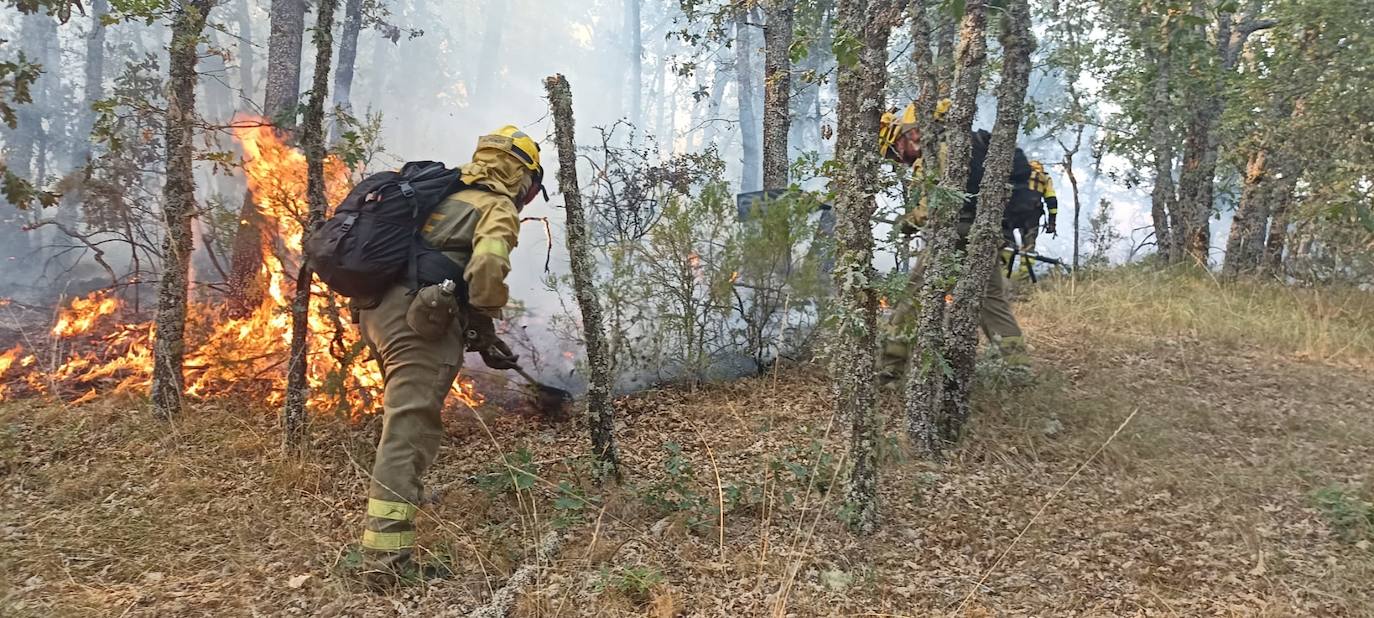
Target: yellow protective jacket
{"x": 479, "y": 227}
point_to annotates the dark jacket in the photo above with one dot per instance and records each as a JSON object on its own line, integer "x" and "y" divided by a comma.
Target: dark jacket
{"x": 1020, "y": 173}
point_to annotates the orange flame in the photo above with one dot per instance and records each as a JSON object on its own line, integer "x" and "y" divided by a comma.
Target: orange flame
{"x": 238, "y": 354}
{"x": 83, "y": 313}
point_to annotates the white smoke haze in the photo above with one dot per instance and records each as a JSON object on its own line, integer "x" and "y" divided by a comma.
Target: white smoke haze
{"x": 471, "y": 67}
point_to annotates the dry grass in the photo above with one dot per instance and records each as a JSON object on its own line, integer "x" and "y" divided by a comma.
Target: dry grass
{"x": 1203, "y": 504}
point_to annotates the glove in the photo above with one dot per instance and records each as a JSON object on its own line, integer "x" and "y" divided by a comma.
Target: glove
{"x": 911, "y": 224}
{"x": 499, "y": 356}
{"x": 1050, "y": 229}
{"x": 483, "y": 340}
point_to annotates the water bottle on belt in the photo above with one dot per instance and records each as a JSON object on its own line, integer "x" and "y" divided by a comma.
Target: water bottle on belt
{"x": 433, "y": 309}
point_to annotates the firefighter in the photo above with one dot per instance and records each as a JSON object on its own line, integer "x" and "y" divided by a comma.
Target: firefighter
{"x": 419, "y": 339}
{"x": 899, "y": 140}
{"x": 1024, "y": 214}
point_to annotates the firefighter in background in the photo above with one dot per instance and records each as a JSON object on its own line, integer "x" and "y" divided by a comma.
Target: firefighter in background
{"x": 419, "y": 339}
{"x": 1024, "y": 214}
{"x": 899, "y": 140}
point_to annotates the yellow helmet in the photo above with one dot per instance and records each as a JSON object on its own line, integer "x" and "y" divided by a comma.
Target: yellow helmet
{"x": 891, "y": 126}
{"x": 1037, "y": 166}
{"x": 523, "y": 147}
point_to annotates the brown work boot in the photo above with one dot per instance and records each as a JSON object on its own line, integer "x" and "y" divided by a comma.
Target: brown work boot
{"x": 384, "y": 571}
{"x": 1015, "y": 356}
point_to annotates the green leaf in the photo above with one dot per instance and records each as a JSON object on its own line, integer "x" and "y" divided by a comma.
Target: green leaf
{"x": 846, "y": 48}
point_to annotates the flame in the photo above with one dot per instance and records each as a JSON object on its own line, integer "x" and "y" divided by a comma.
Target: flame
{"x": 224, "y": 355}
{"x": 882, "y": 303}
{"x": 83, "y": 313}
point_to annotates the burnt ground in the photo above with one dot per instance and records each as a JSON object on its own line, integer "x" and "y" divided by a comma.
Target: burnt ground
{"x": 1240, "y": 487}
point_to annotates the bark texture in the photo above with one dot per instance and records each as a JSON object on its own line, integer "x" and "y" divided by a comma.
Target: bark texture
{"x": 745, "y": 50}
{"x": 926, "y": 376}
{"x": 1162, "y": 196}
{"x": 279, "y": 105}
{"x": 348, "y": 57}
{"x": 1197, "y": 186}
{"x": 312, "y": 140}
{"x": 868, "y": 22}
{"x": 986, "y": 235}
{"x": 928, "y": 74}
{"x": 600, "y": 411}
{"x": 777, "y": 92}
{"x": 178, "y": 209}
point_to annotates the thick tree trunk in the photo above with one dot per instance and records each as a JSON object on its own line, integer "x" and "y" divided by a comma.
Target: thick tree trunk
{"x": 600, "y": 411}
{"x": 348, "y": 57}
{"x": 1162, "y": 197}
{"x": 929, "y": 77}
{"x": 926, "y": 379}
{"x": 1247, "y": 226}
{"x": 312, "y": 140}
{"x": 986, "y": 236}
{"x": 634, "y": 53}
{"x": 777, "y": 92}
{"x": 279, "y": 105}
{"x": 856, "y": 303}
{"x": 1197, "y": 184}
{"x": 178, "y": 208}
{"x": 745, "y": 48}
{"x": 1280, "y": 198}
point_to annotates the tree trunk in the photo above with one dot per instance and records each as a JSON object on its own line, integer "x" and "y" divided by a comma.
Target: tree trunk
{"x": 1242, "y": 251}
{"x": 745, "y": 47}
{"x": 348, "y": 57}
{"x": 279, "y": 105}
{"x": 777, "y": 92}
{"x": 178, "y": 208}
{"x": 1162, "y": 197}
{"x": 312, "y": 141}
{"x": 928, "y": 75}
{"x": 986, "y": 236}
{"x": 92, "y": 90}
{"x": 926, "y": 375}
{"x": 804, "y": 132}
{"x": 1280, "y": 199}
{"x": 634, "y": 51}
{"x": 1198, "y": 180}
{"x": 861, "y": 87}
{"x": 600, "y": 412}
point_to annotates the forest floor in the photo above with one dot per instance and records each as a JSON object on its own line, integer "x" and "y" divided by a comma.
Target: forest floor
{"x": 1241, "y": 486}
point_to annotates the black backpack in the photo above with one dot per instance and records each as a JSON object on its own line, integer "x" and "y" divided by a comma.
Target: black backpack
{"x": 373, "y": 240}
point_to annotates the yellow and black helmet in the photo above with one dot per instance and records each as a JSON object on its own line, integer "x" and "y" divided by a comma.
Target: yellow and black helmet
{"x": 893, "y": 124}
{"x": 526, "y": 150}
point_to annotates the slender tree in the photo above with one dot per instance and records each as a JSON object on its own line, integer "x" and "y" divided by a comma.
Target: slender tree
{"x": 986, "y": 235}
{"x": 312, "y": 139}
{"x": 348, "y": 57}
{"x": 745, "y": 50}
{"x": 777, "y": 91}
{"x": 178, "y": 208}
{"x": 600, "y": 409}
{"x": 862, "y": 77}
{"x": 926, "y": 379}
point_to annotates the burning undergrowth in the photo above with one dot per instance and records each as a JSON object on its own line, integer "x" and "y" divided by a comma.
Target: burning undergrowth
{"x": 97, "y": 345}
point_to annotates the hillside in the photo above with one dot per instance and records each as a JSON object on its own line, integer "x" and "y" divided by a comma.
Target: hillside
{"x": 1241, "y": 486}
